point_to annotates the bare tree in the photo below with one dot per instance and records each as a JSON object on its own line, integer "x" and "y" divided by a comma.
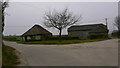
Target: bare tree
{"x": 60, "y": 20}
{"x": 117, "y": 23}
{"x": 3, "y": 5}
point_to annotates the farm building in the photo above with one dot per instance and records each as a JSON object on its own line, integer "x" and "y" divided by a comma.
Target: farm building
{"x": 36, "y": 31}
{"x": 88, "y": 31}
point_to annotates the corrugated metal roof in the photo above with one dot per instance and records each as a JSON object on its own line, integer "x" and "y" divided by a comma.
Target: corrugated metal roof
{"x": 86, "y": 27}
{"x": 35, "y": 30}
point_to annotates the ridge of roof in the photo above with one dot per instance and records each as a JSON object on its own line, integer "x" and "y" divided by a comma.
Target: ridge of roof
{"x": 39, "y": 27}
{"x": 88, "y": 25}
{"x": 42, "y": 28}
{"x": 85, "y": 27}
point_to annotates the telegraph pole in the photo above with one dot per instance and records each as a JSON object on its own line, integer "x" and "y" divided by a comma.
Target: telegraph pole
{"x": 106, "y": 22}
{"x": 106, "y": 19}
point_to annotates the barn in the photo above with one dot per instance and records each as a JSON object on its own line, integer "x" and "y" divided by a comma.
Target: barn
{"x": 36, "y": 31}
{"x": 88, "y": 31}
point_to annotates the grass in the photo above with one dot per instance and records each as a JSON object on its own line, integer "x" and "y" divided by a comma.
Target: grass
{"x": 0, "y": 52}
{"x": 18, "y": 37}
{"x": 61, "y": 42}
{"x": 51, "y": 41}
{"x": 12, "y": 38}
{"x": 116, "y": 37}
{"x": 9, "y": 57}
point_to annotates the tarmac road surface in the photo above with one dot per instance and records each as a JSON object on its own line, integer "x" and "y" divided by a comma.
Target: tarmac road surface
{"x": 102, "y": 53}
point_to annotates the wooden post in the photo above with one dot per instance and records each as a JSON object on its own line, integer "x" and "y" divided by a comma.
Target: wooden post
{"x": 22, "y": 38}
{"x": 25, "y": 38}
{"x": 106, "y": 23}
{"x": 40, "y": 37}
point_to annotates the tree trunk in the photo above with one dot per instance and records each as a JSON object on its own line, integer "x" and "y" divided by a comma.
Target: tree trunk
{"x": 60, "y": 33}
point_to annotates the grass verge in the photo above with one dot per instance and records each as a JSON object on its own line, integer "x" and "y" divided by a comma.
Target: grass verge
{"x": 116, "y": 37}
{"x": 9, "y": 57}
{"x": 12, "y": 38}
{"x": 61, "y": 42}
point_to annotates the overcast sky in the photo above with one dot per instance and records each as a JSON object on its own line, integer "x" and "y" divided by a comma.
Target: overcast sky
{"x": 23, "y": 15}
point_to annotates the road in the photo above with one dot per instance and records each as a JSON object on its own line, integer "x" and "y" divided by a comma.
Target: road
{"x": 102, "y": 53}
